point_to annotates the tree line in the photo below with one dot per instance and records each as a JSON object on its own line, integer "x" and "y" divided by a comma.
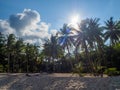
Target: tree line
{"x": 90, "y": 47}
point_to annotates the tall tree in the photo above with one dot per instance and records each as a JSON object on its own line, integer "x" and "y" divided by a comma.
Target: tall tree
{"x": 112, "y": 31}
{"x": 89, "y": 35}
{"x": 112, "y": 35}
{"x": 52, "y": 49}
{"x": 66, "y": 39}
{"x": 19, "y": 51}
{"x": 32, "y": 53}
{"x": 10, "y": 50}
{"x": 2, "y": 51}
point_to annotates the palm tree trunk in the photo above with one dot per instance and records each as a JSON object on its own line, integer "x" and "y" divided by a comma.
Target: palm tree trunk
{"x": 47, "y": 64}
{"x": 8, "y": 62}
{"x": 76, "y": 54}
{"x": 27, "y": 63}
{"x": 70, "y": 56}
{"x": 100, "y": 54}
{"x": 111, "y": 43}
{"x": 14, "y": 62}
{"x": 88, "y": 58}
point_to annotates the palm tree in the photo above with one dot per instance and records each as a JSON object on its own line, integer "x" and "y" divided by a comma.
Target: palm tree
{"x": 19, "y": 51}
{"x": 65, "y": 39}
{"x": 10, "y": 49}
{"x": 52, "y": 49}
{"x": 112, "y": 31}
{"x": 88, "y": 36}
{"x": 96, "y": 35}
{"x": 83, "y": 39}
{"x": 29, "y": 50}
{"x": 35, "y": 59}
{"x": 2, "y": 51}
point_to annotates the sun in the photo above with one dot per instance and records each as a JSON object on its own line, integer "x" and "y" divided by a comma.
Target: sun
{"x": 74, "y": 19}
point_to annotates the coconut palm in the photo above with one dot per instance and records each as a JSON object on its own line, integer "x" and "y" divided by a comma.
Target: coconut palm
{"x": 112, "y": 34}
{"x": 2, "y": 51}
{"x": 10, "y": 49}
{"x": 29, "y": 51}
{"x": 52, "y": 49}
{"x": 95, "y": 34}
{"x": 19, "y": 51}
{"x": 66, "y": 40}
{"x": 89, "y": 35}
{"x": 112, "y": 31}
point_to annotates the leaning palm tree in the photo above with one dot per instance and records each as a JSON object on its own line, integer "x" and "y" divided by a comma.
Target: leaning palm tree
{"x": 112, "y": 31}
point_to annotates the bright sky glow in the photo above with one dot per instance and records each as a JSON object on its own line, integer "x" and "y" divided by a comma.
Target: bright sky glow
{"x": 37, "y": 19}
{"x": 56, "y": 12}
{"x": 74, "y": 19}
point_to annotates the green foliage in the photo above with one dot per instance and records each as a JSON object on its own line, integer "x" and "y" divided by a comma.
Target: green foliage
{"x": 112, "y": 31}
{"x": 112, "y": 72}
{"x": 112, "y": 56}
{"x": 52, "y": 49}
{"x": 86, "y": 45}
{"x": 78, "y": 68}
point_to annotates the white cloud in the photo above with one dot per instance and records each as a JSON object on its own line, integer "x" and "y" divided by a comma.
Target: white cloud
{"x": 5, "y": 27}
{"x": 27, "y": 19}
{"x": 27, "y": 25}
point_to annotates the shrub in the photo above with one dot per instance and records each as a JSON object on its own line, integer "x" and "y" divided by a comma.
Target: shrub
{"x": 112, "y": 72}
{"x": 78, "y": 69}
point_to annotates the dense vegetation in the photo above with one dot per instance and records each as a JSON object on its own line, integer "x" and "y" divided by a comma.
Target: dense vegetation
{"x": 90, "y": 48}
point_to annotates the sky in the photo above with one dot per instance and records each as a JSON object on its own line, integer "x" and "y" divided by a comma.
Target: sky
{"x": 35, "y": 20}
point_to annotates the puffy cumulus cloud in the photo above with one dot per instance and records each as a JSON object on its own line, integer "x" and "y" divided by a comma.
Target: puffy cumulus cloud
{"x": 43, "y": 29}
{"x": 5, "y": 27}
{"x": 28, "y": 18}
{"x": 26, "y": 25}
{"x": 40, "y": 32}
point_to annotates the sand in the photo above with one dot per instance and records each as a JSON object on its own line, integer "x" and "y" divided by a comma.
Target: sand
{"x": 57, "y": 81}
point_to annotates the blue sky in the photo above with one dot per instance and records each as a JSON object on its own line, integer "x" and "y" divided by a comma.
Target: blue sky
{"x": 57, "y": 12}
{"x": 50, "y": 14}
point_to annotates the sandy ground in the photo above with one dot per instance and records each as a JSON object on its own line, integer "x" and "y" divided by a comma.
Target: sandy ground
{"x": 57, "y": 82}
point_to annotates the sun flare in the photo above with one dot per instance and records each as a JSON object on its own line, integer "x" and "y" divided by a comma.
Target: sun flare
{"x": 74, "y": 19}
